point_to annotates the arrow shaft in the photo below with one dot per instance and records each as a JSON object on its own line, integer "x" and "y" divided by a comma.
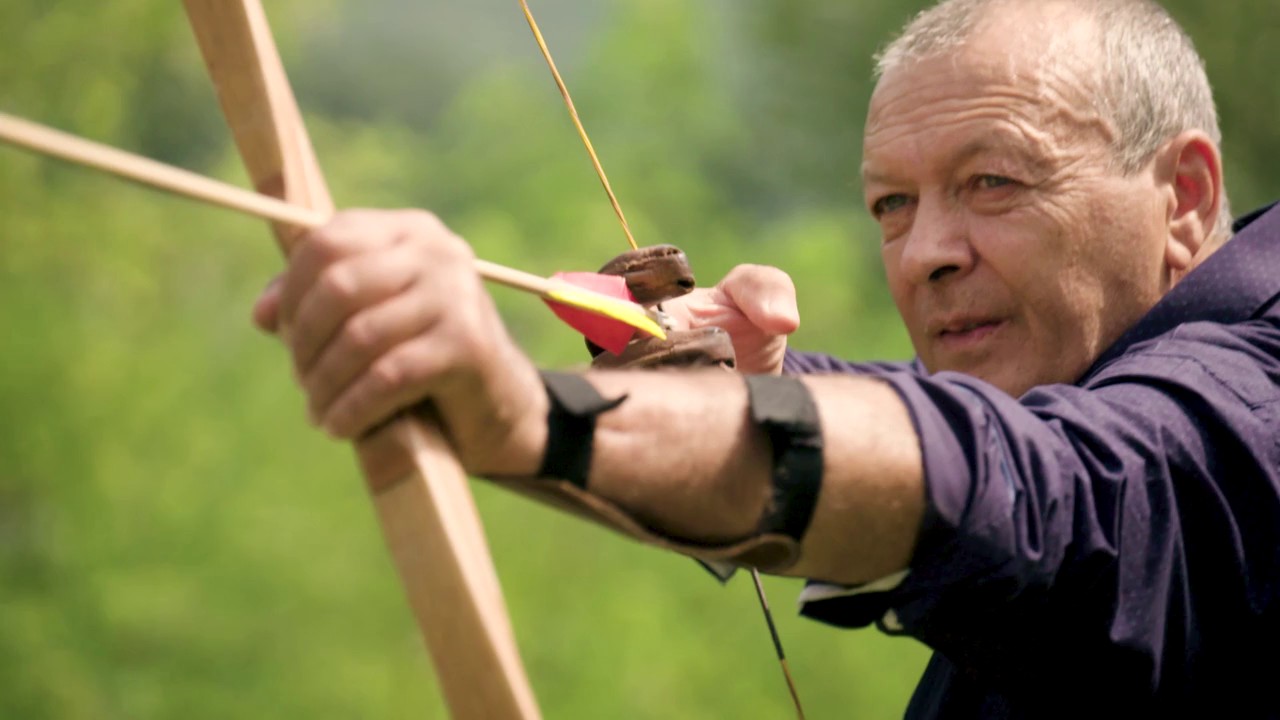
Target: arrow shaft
{"x": 145, "y": 171}
{"x": 68, "y": 147}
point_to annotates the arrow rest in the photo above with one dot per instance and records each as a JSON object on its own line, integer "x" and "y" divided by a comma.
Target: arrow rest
{"x": 654, "y": 275}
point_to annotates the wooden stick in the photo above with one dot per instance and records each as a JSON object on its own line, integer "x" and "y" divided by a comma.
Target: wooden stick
{"x": 48, "y": 141}
{"x": 426, "y": 511}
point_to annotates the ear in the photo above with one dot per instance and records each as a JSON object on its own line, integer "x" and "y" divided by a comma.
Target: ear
{"x": 1191, "y": 170}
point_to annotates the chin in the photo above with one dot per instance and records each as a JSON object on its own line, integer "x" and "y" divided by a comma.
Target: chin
{"x": 1013, "y": 384}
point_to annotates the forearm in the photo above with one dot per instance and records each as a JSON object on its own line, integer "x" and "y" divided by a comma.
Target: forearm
{"x": 682, "y": 455}
{"x": 384, "y": 310}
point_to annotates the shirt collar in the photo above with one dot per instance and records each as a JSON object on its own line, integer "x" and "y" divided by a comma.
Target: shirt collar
{"x": 1232, "y": 285}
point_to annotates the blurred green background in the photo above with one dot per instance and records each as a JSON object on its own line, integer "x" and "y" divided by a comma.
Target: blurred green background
{"x": 175, "y": 542}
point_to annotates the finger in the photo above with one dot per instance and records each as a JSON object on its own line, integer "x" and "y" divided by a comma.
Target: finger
{"x": 349, "y": 233}
{"x": 691, "y": 309}
{"x": 364, "y": 338}
{"x": 343, "y": 290}
{"x": 765, "y": 295}
{"x": 397, "y": 380}
{"x": 267, "y": 307}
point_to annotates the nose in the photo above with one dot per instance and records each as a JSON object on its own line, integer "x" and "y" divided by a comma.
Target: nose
{"x": 937, "y": 246}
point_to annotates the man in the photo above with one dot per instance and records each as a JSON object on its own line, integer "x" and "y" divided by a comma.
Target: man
{"x": 1073, "y": 496}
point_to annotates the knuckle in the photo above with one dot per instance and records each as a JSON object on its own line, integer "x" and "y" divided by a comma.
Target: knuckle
{"x": 758, "y": 277}
{"x": 736, "y": 276}
{"x": 748, "y": 272}
{"x": 338, "y": 423}
{"x": 386, "y": 374}
{"x": 472, "y": 342}
{"x": 458, "y": 248}
{"x": 777, "y": 274}
{"x": 324, "y": 243}
{"x": 349, "y": 231}
{"x": 340, "y": 284}
{"x": 463, "y": 352}
{"x": 360, "y": 334}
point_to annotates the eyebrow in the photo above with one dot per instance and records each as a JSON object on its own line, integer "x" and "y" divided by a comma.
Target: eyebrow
{"x": 968, "y": 151}
{"x": 972, "y": 149}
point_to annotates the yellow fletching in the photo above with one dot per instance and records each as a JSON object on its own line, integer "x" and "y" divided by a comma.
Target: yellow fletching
{"x": 593, "y": 302}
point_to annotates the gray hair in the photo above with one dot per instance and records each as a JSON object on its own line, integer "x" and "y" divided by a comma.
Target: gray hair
{"x": 1152, "y": 82}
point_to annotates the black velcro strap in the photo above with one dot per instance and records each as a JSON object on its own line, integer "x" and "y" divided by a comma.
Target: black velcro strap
{"x": 783, "y": 407}
{"x": 571, "y": 426}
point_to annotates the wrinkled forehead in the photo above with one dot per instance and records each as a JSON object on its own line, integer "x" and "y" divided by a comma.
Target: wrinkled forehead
{"x": 1038, "y": 71}
{"x": 1038, "y": 49}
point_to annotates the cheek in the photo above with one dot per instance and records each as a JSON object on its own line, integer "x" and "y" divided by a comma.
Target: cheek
{"x": 899, "y": 289}
{"x": 1035, "y": 259}
{"x": 1061, "y": 298}
{"x": 1122, "y": 266}
{"x": 1066, "y": 320}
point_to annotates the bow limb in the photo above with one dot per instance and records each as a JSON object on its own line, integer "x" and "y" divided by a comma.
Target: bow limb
{"x": 419, "y": 489}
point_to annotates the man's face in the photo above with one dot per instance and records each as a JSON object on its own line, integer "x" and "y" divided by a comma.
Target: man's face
{"x": 1014, "y": 251}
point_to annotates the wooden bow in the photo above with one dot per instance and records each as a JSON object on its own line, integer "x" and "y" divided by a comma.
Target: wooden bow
{"x": 427, "y": 514}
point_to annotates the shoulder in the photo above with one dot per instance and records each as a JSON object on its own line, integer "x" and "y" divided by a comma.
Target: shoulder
{"x": 1237, "y": 362}
{"x": 1202, "y": 399}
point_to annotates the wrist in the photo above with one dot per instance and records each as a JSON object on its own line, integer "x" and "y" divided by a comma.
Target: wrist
{"x": 509, "y": 438}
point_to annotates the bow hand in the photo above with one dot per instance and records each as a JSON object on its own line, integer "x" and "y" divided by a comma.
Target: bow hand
{"x": 383, "y": 310}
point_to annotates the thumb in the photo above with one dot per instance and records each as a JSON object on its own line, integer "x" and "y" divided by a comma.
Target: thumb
{"x": 765, "y": 295}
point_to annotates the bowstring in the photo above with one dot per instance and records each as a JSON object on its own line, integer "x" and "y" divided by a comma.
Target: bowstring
{"x": 617, "y": 209}
{"x": 577, "y": 123}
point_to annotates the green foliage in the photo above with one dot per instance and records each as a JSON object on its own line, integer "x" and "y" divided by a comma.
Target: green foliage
{"x": 176, "y": 542}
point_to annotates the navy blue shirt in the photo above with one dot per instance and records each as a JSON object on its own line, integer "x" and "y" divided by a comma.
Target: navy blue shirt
{"x": 1110, "y": 547}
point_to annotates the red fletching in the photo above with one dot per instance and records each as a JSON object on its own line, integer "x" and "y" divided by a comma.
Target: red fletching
{"x": 612, "y": 335}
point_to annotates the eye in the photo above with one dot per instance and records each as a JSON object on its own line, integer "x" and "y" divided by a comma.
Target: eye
{"x": 990, "y": 182}
{"x": 889, "y": 203}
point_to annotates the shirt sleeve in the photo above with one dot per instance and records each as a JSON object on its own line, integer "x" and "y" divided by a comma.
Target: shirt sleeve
{"x": 1096, "y": 521}
{"x": 810, "y": 363}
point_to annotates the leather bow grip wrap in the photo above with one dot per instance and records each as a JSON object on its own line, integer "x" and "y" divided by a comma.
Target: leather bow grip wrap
{"x": 420, "y": 491}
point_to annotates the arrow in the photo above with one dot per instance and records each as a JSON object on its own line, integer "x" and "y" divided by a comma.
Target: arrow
{"x": 602, "y": 310}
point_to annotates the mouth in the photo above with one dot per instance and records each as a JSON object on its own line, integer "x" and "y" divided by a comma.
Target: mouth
{"x": 968, "y": 334}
